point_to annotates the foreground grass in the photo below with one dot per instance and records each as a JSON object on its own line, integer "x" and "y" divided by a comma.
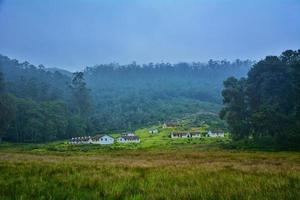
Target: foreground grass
{"x": 190, "y": 172}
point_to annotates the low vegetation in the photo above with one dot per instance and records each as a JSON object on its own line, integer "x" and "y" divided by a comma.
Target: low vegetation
{"x": 194, "y": 171}
{"x": 157, "y": 168}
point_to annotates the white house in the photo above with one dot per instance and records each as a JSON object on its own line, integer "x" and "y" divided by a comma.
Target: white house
{"x": 81, "y": 140}
{"x": 88, "y": 140}
{"x": 195, "y": 134}
{"x": 127, "y": 134}
{"x": 215, "y": 133}
{"x": 153, "y": 130}
{"x": 185, "y": 134}
{"x": 103, "y": 139}
{"x": 180, "y": 135}
{"x": 129, "y": 139}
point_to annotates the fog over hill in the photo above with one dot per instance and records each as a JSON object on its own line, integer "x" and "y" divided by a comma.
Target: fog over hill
{"x": 116, "y": 97}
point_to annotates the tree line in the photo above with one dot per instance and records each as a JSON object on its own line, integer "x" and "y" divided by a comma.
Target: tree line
{"x": 266, "y": 104}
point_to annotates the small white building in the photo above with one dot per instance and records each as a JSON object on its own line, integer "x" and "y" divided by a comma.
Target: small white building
{"x": 129, "y": 139}
{"x": 195, "y": 134}
{"x": 153, "y": 130}
{"x": 185, "y": 134}
{"x": 103, "y": 139}
{"x": 180, "y": 135}
{"x": 88, "y": 140}
{"x": 127, "y": 134}
{"x": 215, "y": 133}
{"x": 81, "y": 140}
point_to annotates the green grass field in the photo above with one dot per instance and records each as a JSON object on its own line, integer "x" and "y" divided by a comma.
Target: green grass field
{"x": 158, "y": 168}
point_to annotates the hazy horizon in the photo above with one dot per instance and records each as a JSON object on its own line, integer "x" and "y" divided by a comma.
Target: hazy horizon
{"x": 74, "y": 34}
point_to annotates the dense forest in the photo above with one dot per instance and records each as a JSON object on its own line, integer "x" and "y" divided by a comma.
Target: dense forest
{"x": 40, "y": 104}
{"x": 265, "y": 106}
{"x": 131, "y": 96}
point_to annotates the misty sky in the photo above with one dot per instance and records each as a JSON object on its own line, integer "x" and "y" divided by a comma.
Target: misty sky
{"x": 73, "y": 34}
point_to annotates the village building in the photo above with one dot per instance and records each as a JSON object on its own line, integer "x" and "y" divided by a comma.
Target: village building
{"x": 128, "y": 134}
{"x": 195, "y": 134}
{"x": 98, "y": 139}
{"x": 87, "y": 140}
{"x": 81, "y": 140}
{"x": 153, "y": 130}
{"x": 129, "y": 139}
{"x": 185, "y": 134}
{"x": 216, "y": 133}
{"x": 103, "y": 139}
{"x": 169, "y": 125}
{"x": 180, "y": 135}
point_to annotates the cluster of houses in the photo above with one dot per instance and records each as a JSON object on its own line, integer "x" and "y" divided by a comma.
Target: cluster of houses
{"x": 129, "y": 137}
{"x": 187, "y": 134}
{"x": 106, "y": 139}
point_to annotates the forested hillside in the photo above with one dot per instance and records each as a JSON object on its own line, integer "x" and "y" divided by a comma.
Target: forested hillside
{"x": 49, "y": 104}
{"x": 36, "y": 105}
{"x": 131, "y": 96}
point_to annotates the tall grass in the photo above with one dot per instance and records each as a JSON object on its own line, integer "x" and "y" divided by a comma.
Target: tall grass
{"x": 153, "y": 174}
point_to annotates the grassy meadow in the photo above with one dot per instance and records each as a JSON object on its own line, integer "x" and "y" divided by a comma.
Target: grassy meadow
{"x": 158, "y": 168}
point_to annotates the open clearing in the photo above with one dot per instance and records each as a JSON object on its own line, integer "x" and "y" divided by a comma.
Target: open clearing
{"x": 190, "y": 172}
